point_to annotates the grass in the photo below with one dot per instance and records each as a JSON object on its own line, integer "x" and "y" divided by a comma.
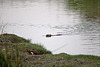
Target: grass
{"x": 11, "y": 38}
{"x": 65, "y": 60}
{"x": 22, "y": 53}
{"x": 24, "y": 45}
{"x": 4, "y": 62}
{"x": 14, "y": 49}
{"x": 9, "y": 59}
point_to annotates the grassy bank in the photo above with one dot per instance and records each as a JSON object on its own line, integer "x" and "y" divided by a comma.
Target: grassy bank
{"x": 16, "y": 51}
{"x": 24, "y": 45}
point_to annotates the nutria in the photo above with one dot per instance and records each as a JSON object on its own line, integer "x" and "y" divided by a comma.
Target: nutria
{"x": 49, "y": 35}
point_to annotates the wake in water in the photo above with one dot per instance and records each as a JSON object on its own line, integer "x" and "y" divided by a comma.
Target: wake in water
{"x": 80, "y": 29}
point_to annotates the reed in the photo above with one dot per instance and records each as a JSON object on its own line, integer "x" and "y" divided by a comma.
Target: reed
{"x": 8, "y": 58}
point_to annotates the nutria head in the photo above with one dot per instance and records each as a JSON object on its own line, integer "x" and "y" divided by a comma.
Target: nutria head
{"x": 48, "y": 35}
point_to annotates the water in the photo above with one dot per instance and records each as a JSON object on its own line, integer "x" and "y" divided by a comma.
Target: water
{"x": 76, "y": 20}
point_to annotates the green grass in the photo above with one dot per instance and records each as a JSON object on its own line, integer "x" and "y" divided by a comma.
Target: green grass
{"x": 14, "y": 49}
{"x": 24, "y": 45}
{"x": 65, "y": 60}
{"x": 9, "y": 59}
{"x": 12, "y": 38}
{"x": 27, "y": 48}
{"x": 3, "y": 61}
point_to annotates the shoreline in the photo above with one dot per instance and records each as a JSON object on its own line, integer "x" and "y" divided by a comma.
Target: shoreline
{"x": 15, "y": 50}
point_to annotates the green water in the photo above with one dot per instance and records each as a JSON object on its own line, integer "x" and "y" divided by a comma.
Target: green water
{"x": 89, "y": 9}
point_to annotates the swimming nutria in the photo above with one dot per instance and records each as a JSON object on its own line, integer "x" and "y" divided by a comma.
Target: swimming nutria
{"x": 49, "y": 35}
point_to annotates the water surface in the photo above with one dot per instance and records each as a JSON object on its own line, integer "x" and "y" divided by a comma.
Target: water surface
{"x": 78, "y": 21}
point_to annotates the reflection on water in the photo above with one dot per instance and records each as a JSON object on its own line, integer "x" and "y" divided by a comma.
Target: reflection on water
{"x": 89, "y": 9}
{"x": 75, "y": 20}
